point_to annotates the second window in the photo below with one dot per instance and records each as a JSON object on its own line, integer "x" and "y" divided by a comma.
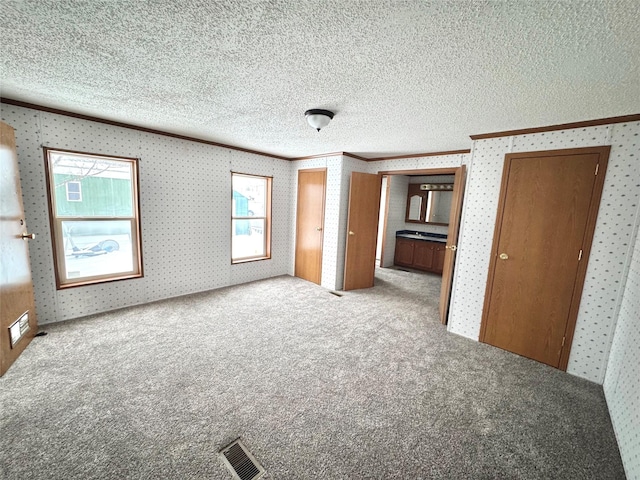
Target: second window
{"x": 250, "y": 217}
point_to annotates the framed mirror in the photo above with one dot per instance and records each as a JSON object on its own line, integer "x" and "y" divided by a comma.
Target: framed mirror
{"x": 429, "y": 203}
{"x": 414, "y": 207}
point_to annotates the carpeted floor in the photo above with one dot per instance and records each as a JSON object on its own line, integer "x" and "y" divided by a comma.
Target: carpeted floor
{"x": 367, "y": 385}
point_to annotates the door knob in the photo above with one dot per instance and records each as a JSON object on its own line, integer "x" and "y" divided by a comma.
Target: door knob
{"x": 503, "y": 256}
{"x": 319, "y": 229}
{"x": 453, "y": 248}
{"x": 351, "y": 233}
{"x": 28, "y": 236}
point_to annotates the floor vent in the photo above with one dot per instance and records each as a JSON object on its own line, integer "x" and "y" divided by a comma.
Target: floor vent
{"x": 240, "y": 462}
{"x": 337, "y": 294}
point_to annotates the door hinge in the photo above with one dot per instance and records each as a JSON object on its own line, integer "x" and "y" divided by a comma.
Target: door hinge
{"x": 563, "y": 340}
{"x": 597, "y": 167}
{"x": 580, "y": 255}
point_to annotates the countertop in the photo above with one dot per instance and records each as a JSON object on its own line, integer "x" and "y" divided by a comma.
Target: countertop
{"x": 430, "y": 237}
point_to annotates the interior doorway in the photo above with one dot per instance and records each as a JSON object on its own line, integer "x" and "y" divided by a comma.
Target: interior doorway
{"x": 435, "y": 231}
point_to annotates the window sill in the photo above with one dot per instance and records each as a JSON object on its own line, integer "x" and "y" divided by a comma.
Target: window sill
{"x": 247, "y": 260}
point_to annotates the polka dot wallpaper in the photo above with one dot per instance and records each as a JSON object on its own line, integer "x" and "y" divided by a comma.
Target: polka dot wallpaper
{"x": 611, "y": 244}
{"x": 622, "y": 381}
{"x": 186, "y": 229}
{"x": 333, "y": 164}
{"x": 185, "y": 212}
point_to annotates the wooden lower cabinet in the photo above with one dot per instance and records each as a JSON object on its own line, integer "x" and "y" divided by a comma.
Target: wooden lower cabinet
{"x": 438, "y": 258}
{"x": 404, "y": 252}
{"x": 420, "y": 254}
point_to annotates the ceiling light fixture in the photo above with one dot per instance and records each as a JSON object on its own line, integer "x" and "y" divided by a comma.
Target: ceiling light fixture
{"x": 318, "y": 118}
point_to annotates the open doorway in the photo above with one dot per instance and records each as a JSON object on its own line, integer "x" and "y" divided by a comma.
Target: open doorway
{"x": 419, "y": 222}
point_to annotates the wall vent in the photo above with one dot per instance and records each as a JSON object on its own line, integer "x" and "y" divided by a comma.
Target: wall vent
{"x": 240, "y": 462}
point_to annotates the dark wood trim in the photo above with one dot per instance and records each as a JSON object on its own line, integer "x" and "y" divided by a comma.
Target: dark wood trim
{"x": 322, "y": 155}
{"x": 562, "y": 126}
{"x": 578, "y": 288}
{"x": 319, "y": 169}
{"x": 357, "y": 157}
{"x": 233, "y": 172}
{"x": 90, "y": 118}
{"x": 47, "y": 173}
{"x": 139, "y": 218}
{"x": 376, "y": 159}
{"x": 418, "y": 155}
{"x": 57, "y": 111}
{"x": 269, "y": 220}
{"x": 422, "y": 171}
{"x": 89, "y": 154}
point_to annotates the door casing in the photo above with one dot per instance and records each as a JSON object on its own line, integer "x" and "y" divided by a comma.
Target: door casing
{"x": 603, "y": 153}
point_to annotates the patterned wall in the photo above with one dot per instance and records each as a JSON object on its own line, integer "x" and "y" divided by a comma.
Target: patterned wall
{"x": 185, "y": 226}
{"x": 332, "y": 209}
{"x": 611, "y": 243}
{"x": 622, "y": 381}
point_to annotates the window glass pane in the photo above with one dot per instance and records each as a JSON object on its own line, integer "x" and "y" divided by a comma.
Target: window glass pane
{"x": 249, "y": 196}
{"x": 247, "y": 238}
{"x": 97, "y": 248}
{"x": 106, "y": 186}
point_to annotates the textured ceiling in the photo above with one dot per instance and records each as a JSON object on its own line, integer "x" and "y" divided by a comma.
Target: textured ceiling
{"x": 402, "y": 76}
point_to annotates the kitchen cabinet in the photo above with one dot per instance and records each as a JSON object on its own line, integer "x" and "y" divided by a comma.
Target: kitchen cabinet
{"x": 420, "y": 254}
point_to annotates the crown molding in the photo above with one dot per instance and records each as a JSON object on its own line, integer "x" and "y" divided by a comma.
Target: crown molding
{"x": 561, "y": 126}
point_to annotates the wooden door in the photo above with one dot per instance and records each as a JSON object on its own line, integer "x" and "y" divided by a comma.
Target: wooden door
{"x": 18, "y": 315}
{"x": 362, "y": 230}
{"x": 546, "y": 217}
{"x": 452, "y": 242}
{"x": 310, "y": 223}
